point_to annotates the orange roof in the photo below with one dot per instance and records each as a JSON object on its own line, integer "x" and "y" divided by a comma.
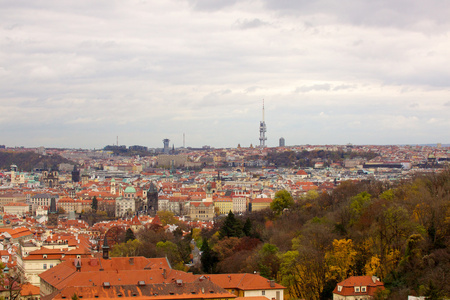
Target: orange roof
{"x": 347, "y": 287}
{"x": 243, "y": 282}
{"x": 28, "y": 289}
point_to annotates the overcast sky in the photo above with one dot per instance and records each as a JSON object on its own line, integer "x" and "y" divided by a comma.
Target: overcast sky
{"x": 80, "y": 73}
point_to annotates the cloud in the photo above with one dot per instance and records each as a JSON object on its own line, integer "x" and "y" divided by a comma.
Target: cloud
{"x": 249, "y": 24}
{"x": 315, "y": 87}
{"x": 147, "y": 70}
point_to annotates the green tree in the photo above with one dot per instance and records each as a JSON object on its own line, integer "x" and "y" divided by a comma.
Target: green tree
{"x": 167, "y": 217}
{"x": 209, "y": 258}
{"x": 231, "y": 227}
{"x": 282, "y": 201}
{"x": 128, "y": 249}
{"x": 129, "y": 235}
{"x": 247, "y": 229}
{"x": 94, "y": 203}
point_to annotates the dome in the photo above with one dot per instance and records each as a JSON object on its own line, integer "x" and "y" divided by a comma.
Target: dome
{"x": 130, "y": 189}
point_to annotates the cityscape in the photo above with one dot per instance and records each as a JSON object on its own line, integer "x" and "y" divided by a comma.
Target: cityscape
{"x": 224, "y": 150}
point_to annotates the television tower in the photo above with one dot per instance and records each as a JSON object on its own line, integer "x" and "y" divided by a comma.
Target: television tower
{"x": 262, "y": 130}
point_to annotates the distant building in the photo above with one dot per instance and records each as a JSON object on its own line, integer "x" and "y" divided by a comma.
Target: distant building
{"x": 357, "y": 287}
{"x": 166, "y": 146}
{"x": 50, "y": 178}
{"x": 282, "y": 142}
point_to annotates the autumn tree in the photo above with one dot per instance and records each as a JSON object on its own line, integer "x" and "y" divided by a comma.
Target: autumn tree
{"x": 281, "y": 201}
{"x": 341, "y": 259}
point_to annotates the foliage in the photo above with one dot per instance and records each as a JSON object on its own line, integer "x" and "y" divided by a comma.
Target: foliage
{"x": 94, "y": 204}
{"x": 282, "y": 201}
{"x": 167, "y": 217}
{"x": 129, "y": 235}
{"x": 27, "y": 161}
{"x": 231, "y": 227}
{"x": 130, "y": 248}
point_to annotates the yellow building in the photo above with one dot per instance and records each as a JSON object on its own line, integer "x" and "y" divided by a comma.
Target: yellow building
{"x": 259, "y": 204}
{"x": 223, "y": 205}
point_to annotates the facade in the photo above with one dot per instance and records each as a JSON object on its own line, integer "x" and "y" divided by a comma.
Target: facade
{"x": 239, "y": 202}
{"x": 202, "y": 211}
{"x": 124, "y": 206}
{"x": 18, "y": 209}
{"x": 50, "y": 178}
{"x": 223, "y": 205}
{"x": 43, "y": 199}
{"x": 259, "y": 204}
{"x": 357, "y": 288}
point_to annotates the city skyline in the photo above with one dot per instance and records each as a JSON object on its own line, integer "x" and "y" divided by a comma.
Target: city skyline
{"x": 80, "y": 73}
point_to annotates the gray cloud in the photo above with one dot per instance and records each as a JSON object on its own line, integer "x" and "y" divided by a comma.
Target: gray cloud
{"x": 79, "y": 73}
{"x": 315, "y": 87}
{"x": 249, "y": 24}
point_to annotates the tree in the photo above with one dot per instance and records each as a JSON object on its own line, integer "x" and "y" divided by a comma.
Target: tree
{"x": 128, "y": 249}
{"x": 341, "y": 259}
{"x": 209, "y": 258}
{"x": 282, "y": 201}
{"x": 129, "y": 235}
{"x": 231, "y": 227}
{"x": 247, "y": 229}
{"x": 94, "y": 203}
{"x": 10, "y": 282}
{"x": 167, "y": 217}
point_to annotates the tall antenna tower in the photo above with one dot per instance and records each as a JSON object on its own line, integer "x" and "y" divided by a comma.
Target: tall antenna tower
{"x": 262, "y": 130}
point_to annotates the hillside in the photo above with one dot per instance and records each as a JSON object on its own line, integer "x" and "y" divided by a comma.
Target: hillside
{"x": 27, "y": 161}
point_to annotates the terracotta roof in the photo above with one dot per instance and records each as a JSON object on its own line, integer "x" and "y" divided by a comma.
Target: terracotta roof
{"x": 243, "y": 282}
{"x": 175, "y": 290}
{"x": 347, "y": 287}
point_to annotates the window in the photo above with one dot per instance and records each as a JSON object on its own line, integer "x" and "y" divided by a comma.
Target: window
{"x": 44, "y": 266}
{"x": 339, "y": 288}
{"x": 363, "y": 289}
{"x": 51, "y": 266}
{"x": 357, "y": 289}
{"x": 263, "y": 293}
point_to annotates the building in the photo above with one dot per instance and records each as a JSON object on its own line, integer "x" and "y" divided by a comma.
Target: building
{"x": 152, "y": 200}
{"x": 124, "y": 206}
{"x": 202, "y": 211}
{"x": 43, "y": 199}
{"x": 357, "y": 288}
{"x": 259, "y": 204}
{"x": 249, "y": 285}
{"x": 50, "y": 178}
{"x": 18, "y": 209}
{"x": 282, "y": 142}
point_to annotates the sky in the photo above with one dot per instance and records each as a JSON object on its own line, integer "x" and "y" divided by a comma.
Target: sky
{"x": 80, "y": 73}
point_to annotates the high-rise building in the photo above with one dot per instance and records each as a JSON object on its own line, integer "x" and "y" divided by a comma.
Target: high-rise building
{"x": 282, "y": 142}
{"x": 262, "y": 130}
{"x": 166, "y": 146}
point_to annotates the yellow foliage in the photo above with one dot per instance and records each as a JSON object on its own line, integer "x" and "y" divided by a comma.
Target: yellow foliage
{"x": 373, "y": 266}
{"x": 340, "y": 259}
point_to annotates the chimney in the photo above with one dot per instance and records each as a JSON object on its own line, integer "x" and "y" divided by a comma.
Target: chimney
{"x": 164, "y": 274}
{"x": 272, "y": 283}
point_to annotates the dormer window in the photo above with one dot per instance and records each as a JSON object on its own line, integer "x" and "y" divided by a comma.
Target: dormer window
{"x": 44, "y": 256}
{"x": 339, "y": 288}
{"x": 363, "y": 289}
{"x": 356, "y": 289}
